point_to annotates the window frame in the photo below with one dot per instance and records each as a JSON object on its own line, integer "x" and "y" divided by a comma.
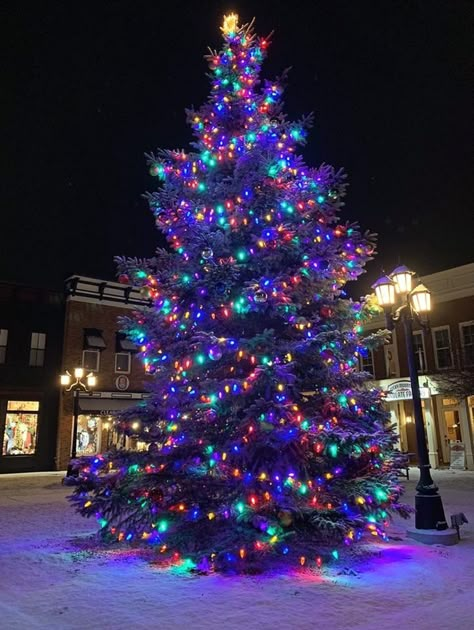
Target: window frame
{"x": 38, "y": 350}
{"x": 18, "y": 413}
{"x": 435, "y": 347}
{"x": 129, "y": 355}
{"x": 461, "y": 341}
{"x": 97, "y": 353}
{"x": 3, "y": 346}
{"x": 420, "y": 333}
{"x": 370, "y": 353}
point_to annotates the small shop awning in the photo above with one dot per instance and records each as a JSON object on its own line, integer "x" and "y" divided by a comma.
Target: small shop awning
{"x": 123, "y": 344}
{"x": 105, "y": 406}
{"x": 93, "y": 339}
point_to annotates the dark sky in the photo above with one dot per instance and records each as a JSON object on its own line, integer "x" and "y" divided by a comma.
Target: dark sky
{"x": 88, "y": 87}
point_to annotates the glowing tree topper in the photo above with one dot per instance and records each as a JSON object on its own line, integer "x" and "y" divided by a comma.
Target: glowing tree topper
{"x": 260, "y": 438}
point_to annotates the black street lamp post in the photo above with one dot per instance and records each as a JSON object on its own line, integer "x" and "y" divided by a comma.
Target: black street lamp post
{"x": 76, "y": 387}
{"x": 429, "y": 512}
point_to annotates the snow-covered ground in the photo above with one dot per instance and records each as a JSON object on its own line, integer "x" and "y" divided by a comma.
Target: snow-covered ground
{"x": 51, "y": 578}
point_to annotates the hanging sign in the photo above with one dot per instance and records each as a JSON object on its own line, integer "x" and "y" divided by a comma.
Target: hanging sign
{"x": 401, "y": 390}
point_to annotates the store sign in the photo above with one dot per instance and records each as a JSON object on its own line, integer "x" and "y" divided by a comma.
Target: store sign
{"x": 401, "y": 390}
{"x": 122, "y": 382}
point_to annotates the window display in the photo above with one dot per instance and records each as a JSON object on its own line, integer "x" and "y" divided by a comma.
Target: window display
{"x": 88, "y": 431}
{"x": 21, "y": 425}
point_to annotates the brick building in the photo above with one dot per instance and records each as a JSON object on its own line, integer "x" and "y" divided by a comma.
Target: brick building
{"x": 447, "y": 348}
{"x": 31, "y": 332}
{"x": 92, "y": 340}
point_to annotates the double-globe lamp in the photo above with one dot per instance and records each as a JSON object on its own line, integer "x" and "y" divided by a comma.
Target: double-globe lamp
{"x": 402, "y": 302}
{"x": 76, "y": 386}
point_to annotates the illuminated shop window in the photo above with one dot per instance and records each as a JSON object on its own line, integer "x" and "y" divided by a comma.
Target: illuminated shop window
{"x": 21, "y": 426}
{"x": 88, "y": 434}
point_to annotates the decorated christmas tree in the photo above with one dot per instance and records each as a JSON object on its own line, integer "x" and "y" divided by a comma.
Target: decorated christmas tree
{"x": 262, "y": 436}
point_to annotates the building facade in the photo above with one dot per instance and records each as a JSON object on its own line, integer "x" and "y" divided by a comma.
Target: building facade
{"x": 92, "y": 340}
{"x": 31, "y": 333}
{"x": 445, "y": 353}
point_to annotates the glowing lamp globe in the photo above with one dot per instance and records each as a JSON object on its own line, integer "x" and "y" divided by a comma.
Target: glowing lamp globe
{"x": 78, "y": 372}
{"x": 420, "y": 299}
{"x": 65, "y": 379}
{"x": 384, "y": 291}
{"x": 91, "y": 380}
{"x": 401, "y": 276}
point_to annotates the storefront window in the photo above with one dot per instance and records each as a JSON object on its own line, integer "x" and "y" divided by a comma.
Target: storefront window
{"x": 21, "y": 426}
{"x": 88, "y": 435}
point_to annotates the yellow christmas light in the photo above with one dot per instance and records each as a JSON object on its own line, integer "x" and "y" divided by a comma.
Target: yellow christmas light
{"x": 230, "y": 23}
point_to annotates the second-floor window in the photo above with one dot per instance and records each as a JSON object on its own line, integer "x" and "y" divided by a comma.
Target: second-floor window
{"x": 123, "y": 362}
{"x": 442, "y": 347}
{"x": 366, "y": 363}
{"x": 467, "y": 343}
{"x": 37, "y": 349}
{"x": 3, "y": 344}
{"x": 91, "y": 360}
{"x": 419, "y": 348}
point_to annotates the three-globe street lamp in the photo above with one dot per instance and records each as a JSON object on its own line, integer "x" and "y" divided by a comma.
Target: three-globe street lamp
{"x": 76, "y": 387}
{"x": 405, "y": 304}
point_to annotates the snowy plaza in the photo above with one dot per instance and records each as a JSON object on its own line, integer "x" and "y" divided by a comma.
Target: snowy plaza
{"x": 217, "y": 412}
{"x": 54, "y": 576}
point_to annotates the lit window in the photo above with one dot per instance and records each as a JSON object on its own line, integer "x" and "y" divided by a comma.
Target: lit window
{"x": 3, "y": 344}
{"x": 21, "y": 425}
{"x": 88, "y": 434}
{"x": 91, "y": 360}
{"x": 123, "y": 362}
{"x": 442, "y": 347}
{"x": 467, "y": 342}
{"x": 419, "y": 349}
{"x": 37, "y": 349}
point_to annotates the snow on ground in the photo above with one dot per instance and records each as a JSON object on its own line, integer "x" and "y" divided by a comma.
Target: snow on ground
{"x": 51, "y": 578}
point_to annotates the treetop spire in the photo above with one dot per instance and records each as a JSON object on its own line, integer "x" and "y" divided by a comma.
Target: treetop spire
{"x": 230, "y": 24}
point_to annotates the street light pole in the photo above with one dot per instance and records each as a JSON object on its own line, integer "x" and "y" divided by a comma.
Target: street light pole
{"x": 429, "y": 512}
{"x": 75, "y": 418}
{"x": 76, "y": 387}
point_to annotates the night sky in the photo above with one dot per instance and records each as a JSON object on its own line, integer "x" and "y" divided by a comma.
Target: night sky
{"x": 88, "y": 87}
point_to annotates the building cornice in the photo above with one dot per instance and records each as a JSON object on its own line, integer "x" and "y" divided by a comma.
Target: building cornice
{"x": 104, "y": 292}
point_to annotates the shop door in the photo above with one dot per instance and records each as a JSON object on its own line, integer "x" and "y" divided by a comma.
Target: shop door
{"x": 451, "y": 426}
{"x": 411, "y": 441}
{"x": 453, "y": 430}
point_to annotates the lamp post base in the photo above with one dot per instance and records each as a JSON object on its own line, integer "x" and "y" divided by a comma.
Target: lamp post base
{"x": 434, "y": 536}
{"x": 429, "y": 512}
